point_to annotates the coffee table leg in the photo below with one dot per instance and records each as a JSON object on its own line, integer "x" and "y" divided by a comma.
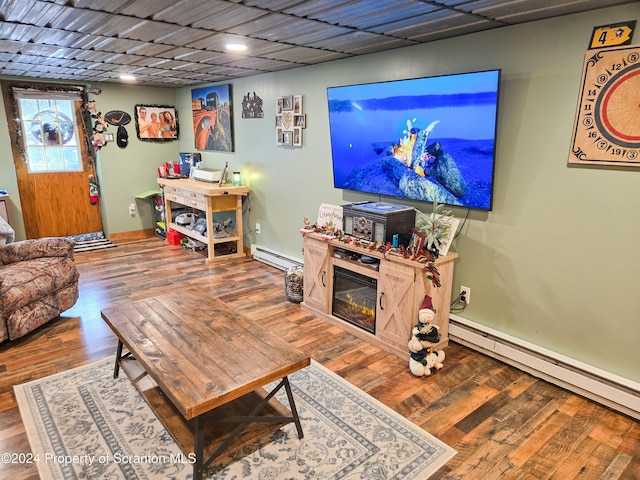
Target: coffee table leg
{"x": 243, "y": 421}
{"x": 198, "y": 433}
{"x": 116, "y": 369}
{"x": 292, "y": 406}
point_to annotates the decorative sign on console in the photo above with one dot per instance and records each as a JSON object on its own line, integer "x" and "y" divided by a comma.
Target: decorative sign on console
{"x": 290, "y": 120}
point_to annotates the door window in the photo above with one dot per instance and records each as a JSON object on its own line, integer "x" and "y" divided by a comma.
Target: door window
{"x": 49, "y": 133}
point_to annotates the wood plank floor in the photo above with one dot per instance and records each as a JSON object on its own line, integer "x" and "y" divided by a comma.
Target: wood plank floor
{"x": 504, "y": 423}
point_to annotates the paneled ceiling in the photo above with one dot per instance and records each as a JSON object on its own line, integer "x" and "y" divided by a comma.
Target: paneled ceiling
{"x": 183, "y": 42}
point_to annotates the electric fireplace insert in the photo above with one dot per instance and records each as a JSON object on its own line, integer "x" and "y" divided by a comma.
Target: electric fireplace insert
{"x": 354, "y": 298}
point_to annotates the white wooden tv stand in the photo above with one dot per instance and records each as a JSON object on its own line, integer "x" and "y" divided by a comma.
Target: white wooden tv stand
{"x": 401, "y": 287}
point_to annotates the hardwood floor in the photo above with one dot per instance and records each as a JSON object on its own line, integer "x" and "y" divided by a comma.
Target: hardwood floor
{"x": 504, "y": 423}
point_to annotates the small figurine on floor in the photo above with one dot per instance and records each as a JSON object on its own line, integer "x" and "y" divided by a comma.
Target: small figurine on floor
{"x": 423, "y": 360}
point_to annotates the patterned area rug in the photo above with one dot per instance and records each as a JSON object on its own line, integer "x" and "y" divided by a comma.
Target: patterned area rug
{"x": 91, "y": 241}
{"x": 84, "y": 424}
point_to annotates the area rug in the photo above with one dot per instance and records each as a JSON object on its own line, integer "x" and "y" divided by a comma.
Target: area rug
{"x": 84, "y": 424}
{"x": 88, "y": 242}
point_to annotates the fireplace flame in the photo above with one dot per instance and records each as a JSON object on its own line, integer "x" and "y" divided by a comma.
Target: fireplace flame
{"x": 353, "y": 305}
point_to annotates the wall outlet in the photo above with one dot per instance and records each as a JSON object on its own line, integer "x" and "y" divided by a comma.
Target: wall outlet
{"x": 465, "y": 294}
{"x": 257, "y": 228}
{"x": 132, "y": 209}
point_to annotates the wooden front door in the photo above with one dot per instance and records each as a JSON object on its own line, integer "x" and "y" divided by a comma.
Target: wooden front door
{"x": 54, "y": 203}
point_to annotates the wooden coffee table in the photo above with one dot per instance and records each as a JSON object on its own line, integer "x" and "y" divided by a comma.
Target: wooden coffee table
{"x": 201, "y": 367}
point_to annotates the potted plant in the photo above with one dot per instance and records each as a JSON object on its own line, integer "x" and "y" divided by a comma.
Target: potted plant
{"x": 435, "y": 226}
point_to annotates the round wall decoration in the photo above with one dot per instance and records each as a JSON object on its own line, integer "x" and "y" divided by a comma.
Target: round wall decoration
{"x": 117, "y": 117}
{"x": 607, "y": 130}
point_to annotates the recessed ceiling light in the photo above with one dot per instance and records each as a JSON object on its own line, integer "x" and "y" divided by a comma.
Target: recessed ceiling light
{"x": 127, "y": 76}
{"x": 236, "y": 47}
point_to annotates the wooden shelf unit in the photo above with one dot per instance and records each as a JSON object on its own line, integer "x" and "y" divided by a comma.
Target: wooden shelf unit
{"x": 402, "y": 285}
{"x": 209, "y": 198}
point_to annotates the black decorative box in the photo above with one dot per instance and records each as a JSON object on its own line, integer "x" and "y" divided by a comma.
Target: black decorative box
{"x": 377, "y": 221}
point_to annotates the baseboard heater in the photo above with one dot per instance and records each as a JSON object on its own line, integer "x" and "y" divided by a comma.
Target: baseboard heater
{"x": 616, "y": 392}
{"x": 274, "y": 258}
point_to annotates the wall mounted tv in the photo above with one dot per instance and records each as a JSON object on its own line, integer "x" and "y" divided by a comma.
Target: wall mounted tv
{"x": 417, "y": 139}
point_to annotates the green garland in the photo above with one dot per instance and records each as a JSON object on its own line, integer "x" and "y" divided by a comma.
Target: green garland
{"x": 424, "y": 257}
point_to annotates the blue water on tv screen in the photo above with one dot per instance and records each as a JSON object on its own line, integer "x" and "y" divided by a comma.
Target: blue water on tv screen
{"x": 418, "y": 139}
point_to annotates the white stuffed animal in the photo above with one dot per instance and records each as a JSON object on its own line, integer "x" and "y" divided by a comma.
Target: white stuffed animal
{"x": 426, "y": 313}
{"x": 424, "y": 335}
{"x": 431, "y": 361}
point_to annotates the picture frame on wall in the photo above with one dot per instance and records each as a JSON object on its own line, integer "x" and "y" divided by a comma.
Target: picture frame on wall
{"x": 289, "y": 121}
{"x": 297, "y": 137}
{"x": 287, "y": 103}
{"x": 156, "y": 123}
{"x": 212, "y": 109}
{"x": 297, "y": 104}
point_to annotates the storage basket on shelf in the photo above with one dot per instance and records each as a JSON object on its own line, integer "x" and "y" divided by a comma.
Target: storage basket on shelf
{"x": 293, "y": 281}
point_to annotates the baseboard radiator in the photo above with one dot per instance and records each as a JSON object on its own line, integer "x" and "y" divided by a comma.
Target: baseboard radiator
{"x": 274, "y": 258}
{"x": 616, "y": 392}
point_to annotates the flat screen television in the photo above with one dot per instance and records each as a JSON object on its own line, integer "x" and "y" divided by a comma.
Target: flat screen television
{"x": 418, "y": 139}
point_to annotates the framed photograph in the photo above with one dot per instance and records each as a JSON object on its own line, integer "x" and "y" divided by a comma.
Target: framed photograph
{"x": 279, "y": 138}
{"x": 212, "y": 109}
{"x": 287, "y": 137}
{"x": 287, "y": 103}
{"x": 297, "y": 136}
{"x": 156, "y": 123}
{"x": 300, "y": 121}
{"x": 297, "y": 104}
{"x": 416, "y": 244}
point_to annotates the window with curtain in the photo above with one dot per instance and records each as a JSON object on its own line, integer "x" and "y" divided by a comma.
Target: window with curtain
{"x": 48, "y": 121}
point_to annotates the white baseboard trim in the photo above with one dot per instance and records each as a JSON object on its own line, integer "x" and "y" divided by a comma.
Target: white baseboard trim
{"x": 616, "y": 392}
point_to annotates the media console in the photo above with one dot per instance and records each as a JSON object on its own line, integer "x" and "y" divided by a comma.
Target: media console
{"x": 399, "y": 284}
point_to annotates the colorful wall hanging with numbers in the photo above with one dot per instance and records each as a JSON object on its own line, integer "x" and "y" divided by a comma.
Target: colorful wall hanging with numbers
{"x": 607, "y": 128}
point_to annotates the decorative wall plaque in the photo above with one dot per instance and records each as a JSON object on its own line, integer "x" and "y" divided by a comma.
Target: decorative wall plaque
{"x": 252, "y": 106}
{"x": 607, "y": 129}
{"x": 612, "y": 35}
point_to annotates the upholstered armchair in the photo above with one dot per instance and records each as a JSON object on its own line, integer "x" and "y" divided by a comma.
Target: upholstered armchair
{"x": 38, "y": 281}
